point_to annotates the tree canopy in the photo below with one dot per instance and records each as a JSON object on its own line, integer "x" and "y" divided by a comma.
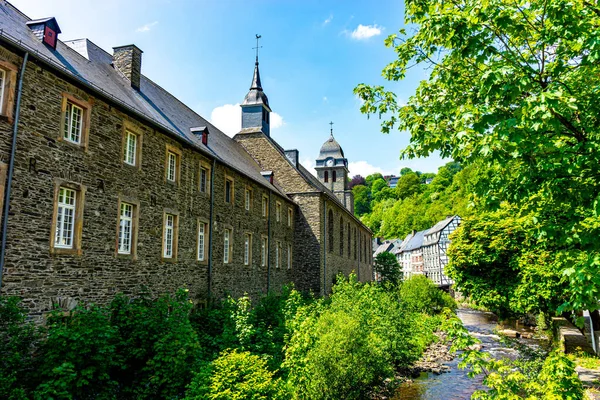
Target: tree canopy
{"x": 513, "y": 89}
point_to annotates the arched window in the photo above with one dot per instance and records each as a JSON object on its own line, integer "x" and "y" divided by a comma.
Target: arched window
{"x": 341, "y": 235}
{"x": 326, "y": 176}
{"x": 349, "y": 254}
{"x": 333, "y": 177}
{"x": 330, "y": 230}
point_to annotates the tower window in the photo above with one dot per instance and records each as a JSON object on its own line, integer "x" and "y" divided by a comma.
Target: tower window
{"x": 326, "y": 176}
{"x": 333, "y": 176}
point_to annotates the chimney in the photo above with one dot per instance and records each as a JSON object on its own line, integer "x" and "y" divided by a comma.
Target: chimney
{"x": 268, "y": 175}
{"x": 201, "y": 131}
{"x": 292, "y": 155}
{"x": 128, "y": 60}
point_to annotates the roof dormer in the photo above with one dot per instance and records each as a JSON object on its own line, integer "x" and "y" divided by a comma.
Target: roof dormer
{"x": 46, "y": 29}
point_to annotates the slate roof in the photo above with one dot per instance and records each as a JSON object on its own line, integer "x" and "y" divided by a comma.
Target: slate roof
{"x": 389, "y": 246}
{"x": 256, "y": 95}
{"x": 331, "y": 148}
{"x": 414, "y": 242}
{"x": 440, "y": 225}
{"x": 92, "y": 66}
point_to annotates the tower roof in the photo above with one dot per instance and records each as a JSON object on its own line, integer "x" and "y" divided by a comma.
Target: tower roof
{"x": 256, "y": 96}
{"x": 331, "y": 148}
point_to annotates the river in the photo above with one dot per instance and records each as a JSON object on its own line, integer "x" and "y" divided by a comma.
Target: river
{"x": 455, "y": 384}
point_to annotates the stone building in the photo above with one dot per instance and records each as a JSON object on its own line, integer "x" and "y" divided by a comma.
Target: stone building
{"x": 109, "y": 184}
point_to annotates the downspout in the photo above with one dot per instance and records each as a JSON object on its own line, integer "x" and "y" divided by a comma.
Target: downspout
{"x": 11, "y": 168}
{"x": 325, "y": 248}
{"x": 210, "y": 229}
{"x": 269, "y": 246}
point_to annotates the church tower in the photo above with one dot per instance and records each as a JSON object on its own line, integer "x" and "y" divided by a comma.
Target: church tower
{"x": 332, "y": 171}
{"x": 255, "y": 108}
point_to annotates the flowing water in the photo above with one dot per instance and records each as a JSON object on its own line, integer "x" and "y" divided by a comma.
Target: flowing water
{"x": 456, "y": 385}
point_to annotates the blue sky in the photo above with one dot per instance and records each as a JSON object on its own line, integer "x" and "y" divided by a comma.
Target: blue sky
{"x": 314, "y": 53}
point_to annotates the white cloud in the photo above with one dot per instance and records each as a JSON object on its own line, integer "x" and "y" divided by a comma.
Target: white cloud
{"x": 363, "y": 32}
{"x": 325, "y": 99}
{"x": 309, "y": 164}
{"x": 328, "y": 20}
{"x": 364, "y": 169}
{"x": 228, "y": 118}
{"x": 147, "y": 27}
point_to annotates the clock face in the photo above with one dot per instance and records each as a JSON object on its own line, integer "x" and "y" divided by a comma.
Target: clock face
{"x": 330, "y": 163}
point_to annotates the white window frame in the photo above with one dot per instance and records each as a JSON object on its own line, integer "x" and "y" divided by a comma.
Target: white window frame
{"x": 203, "y": 179}
{"x": 2, "y": 85}
{"x": 169, "y": 251}
{"x": 171, "y": 166}
{"x": 130, "y": 151}
{"x": 70, "y": 116}
{"x": 264, "y": 245}
{"x": 226, "y": 245}
{"x": 247, "y": 248}
{"x": 65, "y": 219}
{"x": 248, "y": 199}
{"x": 201, "y": 241}
{"x": 126, "y": 228}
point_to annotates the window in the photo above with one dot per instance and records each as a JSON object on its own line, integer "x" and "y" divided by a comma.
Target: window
{"x": 278, "y": 211}
{"x": 229, "y": 190}
{"x": 341, "y": 236}
{"x": 226, "y": 246}
{"x": 201, "y": 241}
{"x": 125, "y": 228}
{"x": 131, "y": 145}
{"x": 170, "y": 235}
{"x": 172, "y": 164}
{"x": 277, "y": 254}
{"x": 204, "y": 178}
{"x": 349, "y": 254}
{"x": 289, "y": 256}
{"x": 65, "y": 218}
{"x": 326, "y": 176}
{"x": 247, "y": 249}
{"x": 8, "y": 78}
{"x": 333, "y": 176}
{"x": 265, "y": 206}
{"x": 248, "y": 199}
{"x": 264, "y": 249}
{"x": 330, "y": 230}
{"x": 73, "y": 123}
{"x": 290, "y": 217}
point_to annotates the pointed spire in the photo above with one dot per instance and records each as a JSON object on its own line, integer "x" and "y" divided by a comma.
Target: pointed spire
{"x": 256, "y": 78}
{"x": 331, "y": 131}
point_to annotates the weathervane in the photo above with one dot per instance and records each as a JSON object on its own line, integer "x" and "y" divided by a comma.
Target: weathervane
{"x": 331, "y": 124}
{"x": 257, "y": 46}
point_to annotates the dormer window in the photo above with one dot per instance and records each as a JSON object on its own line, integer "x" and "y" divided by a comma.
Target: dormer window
{"x": 201, "y": 131}
{"x": 46, "y": 29}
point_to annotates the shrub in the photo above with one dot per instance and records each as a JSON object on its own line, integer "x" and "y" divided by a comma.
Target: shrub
{"x": 18, "y": 340}
{"x": 77, "y": 356}
{"x": 236, "y": 375}
{"x": 387, "y": 265}
{"x": 421, "y": 295}
{"x": 346, "y": 347}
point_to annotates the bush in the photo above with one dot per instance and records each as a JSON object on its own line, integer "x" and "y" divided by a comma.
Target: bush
{"x": 18, "y": 341}
{"x": 387, "y": 265}
{"x": 236, "y": 375}
{"x": 420, "y": 295}
{"x": 348, "y": 346}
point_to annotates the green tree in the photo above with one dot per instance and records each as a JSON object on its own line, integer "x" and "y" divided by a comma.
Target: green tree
{"x": 362, "y": 201}
{"x": 372, "y": 178}
{"x": 408, "y": 184}
{"x": 513, "y": 89}
{"x": 387, "y": 265}
{"x": 405, "y": 171}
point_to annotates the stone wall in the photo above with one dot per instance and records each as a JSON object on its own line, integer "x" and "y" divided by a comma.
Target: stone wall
{"x": 97, "y": 272}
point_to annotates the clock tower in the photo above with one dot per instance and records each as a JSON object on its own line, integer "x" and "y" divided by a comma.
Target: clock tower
{"x": 332, "y": 171}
